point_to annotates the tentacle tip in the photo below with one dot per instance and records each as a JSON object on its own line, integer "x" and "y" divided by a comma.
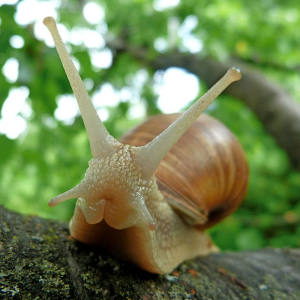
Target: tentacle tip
{"x": 235, "y": 74}
{"x": 49, "y": 22}
{"x": 52, "y": 202}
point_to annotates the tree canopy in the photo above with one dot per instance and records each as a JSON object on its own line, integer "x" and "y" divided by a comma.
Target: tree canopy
{"x": 44, "y": 147}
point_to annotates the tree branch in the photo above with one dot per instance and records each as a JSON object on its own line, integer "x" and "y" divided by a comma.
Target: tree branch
{"x": 38, "y": 259}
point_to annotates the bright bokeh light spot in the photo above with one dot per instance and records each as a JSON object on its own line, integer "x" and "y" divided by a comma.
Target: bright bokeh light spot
{"x": 14, "y": 102}
{"x": 161, "y": 44}
{"x": 90, "y": 38}
{"x": 137, "y": 110}
{"x": 67, "y": 109}
{"x": 176, "y": 32}
{"x": 101, "y": 59}
{"x": 13, "y": 127}
{"x": 189, "y": 24}
{"x": 11, "y": 123}
{"x": 106, "y": 96}
{"x": 93, "y": 12}
{"x": 16, "y": 41}
{"x": 193, "y": 44}
{"x": 103, "y": 114}
{"x": 76, "y": 36}
{"x": 88, "y": 83}
{"x": 189, "y": 41}
{"x": 11, "y": 69}
{"x": 176, "y": 88}
{"x": 26, "y": 111}
{"x": 29, "y": 11}
{"x": 93, "y": 39}
{"x": 138, "y": 79}
{"x": 165, "y": 4}
{"x": 126, "y": 93}
{"x": 9, "y": 2}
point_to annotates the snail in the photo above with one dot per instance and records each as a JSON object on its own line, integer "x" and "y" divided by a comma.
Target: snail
{"x": 148, "y": 197}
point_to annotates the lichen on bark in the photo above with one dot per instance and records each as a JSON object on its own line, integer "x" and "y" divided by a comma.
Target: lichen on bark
{"x": 39, "y": 260}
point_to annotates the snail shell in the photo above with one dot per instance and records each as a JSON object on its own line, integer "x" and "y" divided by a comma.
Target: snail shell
{"x": 205, "y": 174}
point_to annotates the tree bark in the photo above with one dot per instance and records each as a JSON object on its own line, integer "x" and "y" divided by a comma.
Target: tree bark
{"x": 39, "y": 260}
{"x": 275, "y": 108}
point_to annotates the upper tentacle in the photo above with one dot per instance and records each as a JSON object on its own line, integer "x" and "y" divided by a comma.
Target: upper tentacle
{"x": 100, "y": 140}
{"x": 150, "y": 155}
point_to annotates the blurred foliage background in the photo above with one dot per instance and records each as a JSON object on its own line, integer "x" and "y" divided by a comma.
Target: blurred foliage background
{"x": 43, "y": 145}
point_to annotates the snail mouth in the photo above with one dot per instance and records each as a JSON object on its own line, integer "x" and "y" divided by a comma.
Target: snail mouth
{"x": 93, "y": 212}
{"x": 108, "y": 209}
{"x": 105, "y": 209}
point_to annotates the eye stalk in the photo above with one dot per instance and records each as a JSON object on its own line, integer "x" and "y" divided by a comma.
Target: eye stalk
{"x": 153, "y": 153}
{"x": 100, "y": 140}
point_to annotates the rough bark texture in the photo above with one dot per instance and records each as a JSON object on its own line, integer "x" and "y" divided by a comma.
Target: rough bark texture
{"x": 39, "y": 260}
{"x": 276, "y": 109}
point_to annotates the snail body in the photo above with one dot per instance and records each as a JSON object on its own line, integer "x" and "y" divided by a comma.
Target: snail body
{"x": 129, "y": 202}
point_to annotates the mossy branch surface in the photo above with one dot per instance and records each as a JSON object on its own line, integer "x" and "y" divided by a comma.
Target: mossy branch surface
{"x": 39, "y": 260}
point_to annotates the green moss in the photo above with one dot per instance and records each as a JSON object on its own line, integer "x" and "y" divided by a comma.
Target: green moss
{"x": 39, "y": 261}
